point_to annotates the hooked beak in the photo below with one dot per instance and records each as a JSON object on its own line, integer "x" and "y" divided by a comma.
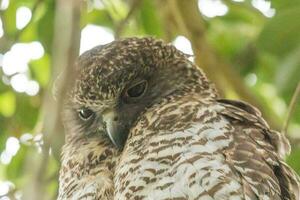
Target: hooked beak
{"x": 114, "y": 128}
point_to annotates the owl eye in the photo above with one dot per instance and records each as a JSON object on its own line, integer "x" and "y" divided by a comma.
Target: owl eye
{"x": 85, "y": 114}
{"x": 137, "y": 90}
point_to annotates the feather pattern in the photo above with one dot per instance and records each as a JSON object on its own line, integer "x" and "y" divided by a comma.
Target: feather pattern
{"x": 181, "y": 140}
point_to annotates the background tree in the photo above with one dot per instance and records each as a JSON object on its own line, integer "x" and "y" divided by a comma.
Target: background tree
{"x": 250, "y": 49}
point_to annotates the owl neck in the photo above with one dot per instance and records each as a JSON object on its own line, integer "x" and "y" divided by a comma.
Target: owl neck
{"x": 87, "y": 164}
{"x": 193, "y": 81}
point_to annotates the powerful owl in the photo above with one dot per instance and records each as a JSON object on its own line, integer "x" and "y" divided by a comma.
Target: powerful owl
{"x": 143, "y": 122}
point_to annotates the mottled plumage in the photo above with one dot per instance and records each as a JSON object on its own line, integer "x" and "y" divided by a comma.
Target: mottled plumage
{"x": 143, "y": 122}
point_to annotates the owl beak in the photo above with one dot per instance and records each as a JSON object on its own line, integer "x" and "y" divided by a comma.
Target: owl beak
{"x": 113, "y": 128}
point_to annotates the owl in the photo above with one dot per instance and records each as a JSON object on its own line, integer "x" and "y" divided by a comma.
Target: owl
{"x": 144, "y": 122}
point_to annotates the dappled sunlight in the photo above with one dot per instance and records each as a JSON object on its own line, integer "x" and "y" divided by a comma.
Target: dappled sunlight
{"x": 11, "y": 148}
{"x": 264, "y": 7}
{"x": 11, "y": 65}
{"x": 18, "y": 68}
{"x": 32, "y": 88}
{"x": 13, "y": 145}
{"x": 5, "y": 187}
{"x": 98, "y": 4}
{"x": 21, "y": 83}
{"x": 92, "y": 35}
{"x": 38, "y": 142}
{"x": 1, "y": 60}
{"x": 251, "y": 79}
{"x": 26, "y": 139}
{"x": 25, "y": 52}
{"x": 23, "y": 17}
{"x": 4, "y": 4}
{"x": 184, "y": 45}
{"x": 270, "y": 93}
{"x": 212, "y": 8}
{"x": 32, "y": 140}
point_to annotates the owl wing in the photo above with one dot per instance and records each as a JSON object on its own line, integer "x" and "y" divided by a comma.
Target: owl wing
{"x": 257, "y": 153}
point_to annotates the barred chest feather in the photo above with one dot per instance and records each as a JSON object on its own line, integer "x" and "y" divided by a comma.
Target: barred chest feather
{"x": 87, "y": 170}
{"x": 177, "y": 153}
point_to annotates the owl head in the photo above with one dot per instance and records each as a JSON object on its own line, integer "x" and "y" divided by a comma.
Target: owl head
{"x": 117, "y": 82}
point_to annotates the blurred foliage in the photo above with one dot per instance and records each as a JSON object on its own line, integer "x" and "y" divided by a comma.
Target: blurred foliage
{"x": 265, "y": 51}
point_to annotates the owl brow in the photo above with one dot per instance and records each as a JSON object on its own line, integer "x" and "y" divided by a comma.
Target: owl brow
{"x": 98, "y": 107}
{"x": 119, "y": 76}
{"x": 117, "y": 69}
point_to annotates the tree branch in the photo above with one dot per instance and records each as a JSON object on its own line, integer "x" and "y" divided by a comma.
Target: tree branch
{"x": 65, "y": 51}
{"x": 291, "y": 109}
{"x": 134, "y": 6}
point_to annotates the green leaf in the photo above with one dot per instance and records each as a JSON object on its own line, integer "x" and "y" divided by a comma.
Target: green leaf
{"x": 232, "y": 40}
{"x": 98, "y": 17}
{"x": 242, "y": 12}
{"x": 45, "y": 27}
{"x": 117, "y": 9}
{"x": 279, "y": 4}
{"x": 14, "y": 171}
{"x": 26, "y": 113}
{"x": 294, "y": 159}
{"x": 40, "y": 70}
{"x": 9, "y": 15}
{"x": 9, "y": 20}
{"x": 287, "y": 73}
{"x": 29, "y": 34}
{"x": 7, "y": 104}
{"x": 149, "y": 19}
{"x": 281, "y": 33}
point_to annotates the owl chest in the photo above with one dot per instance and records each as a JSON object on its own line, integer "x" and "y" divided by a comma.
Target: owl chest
{"x": 175, "y": 165}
